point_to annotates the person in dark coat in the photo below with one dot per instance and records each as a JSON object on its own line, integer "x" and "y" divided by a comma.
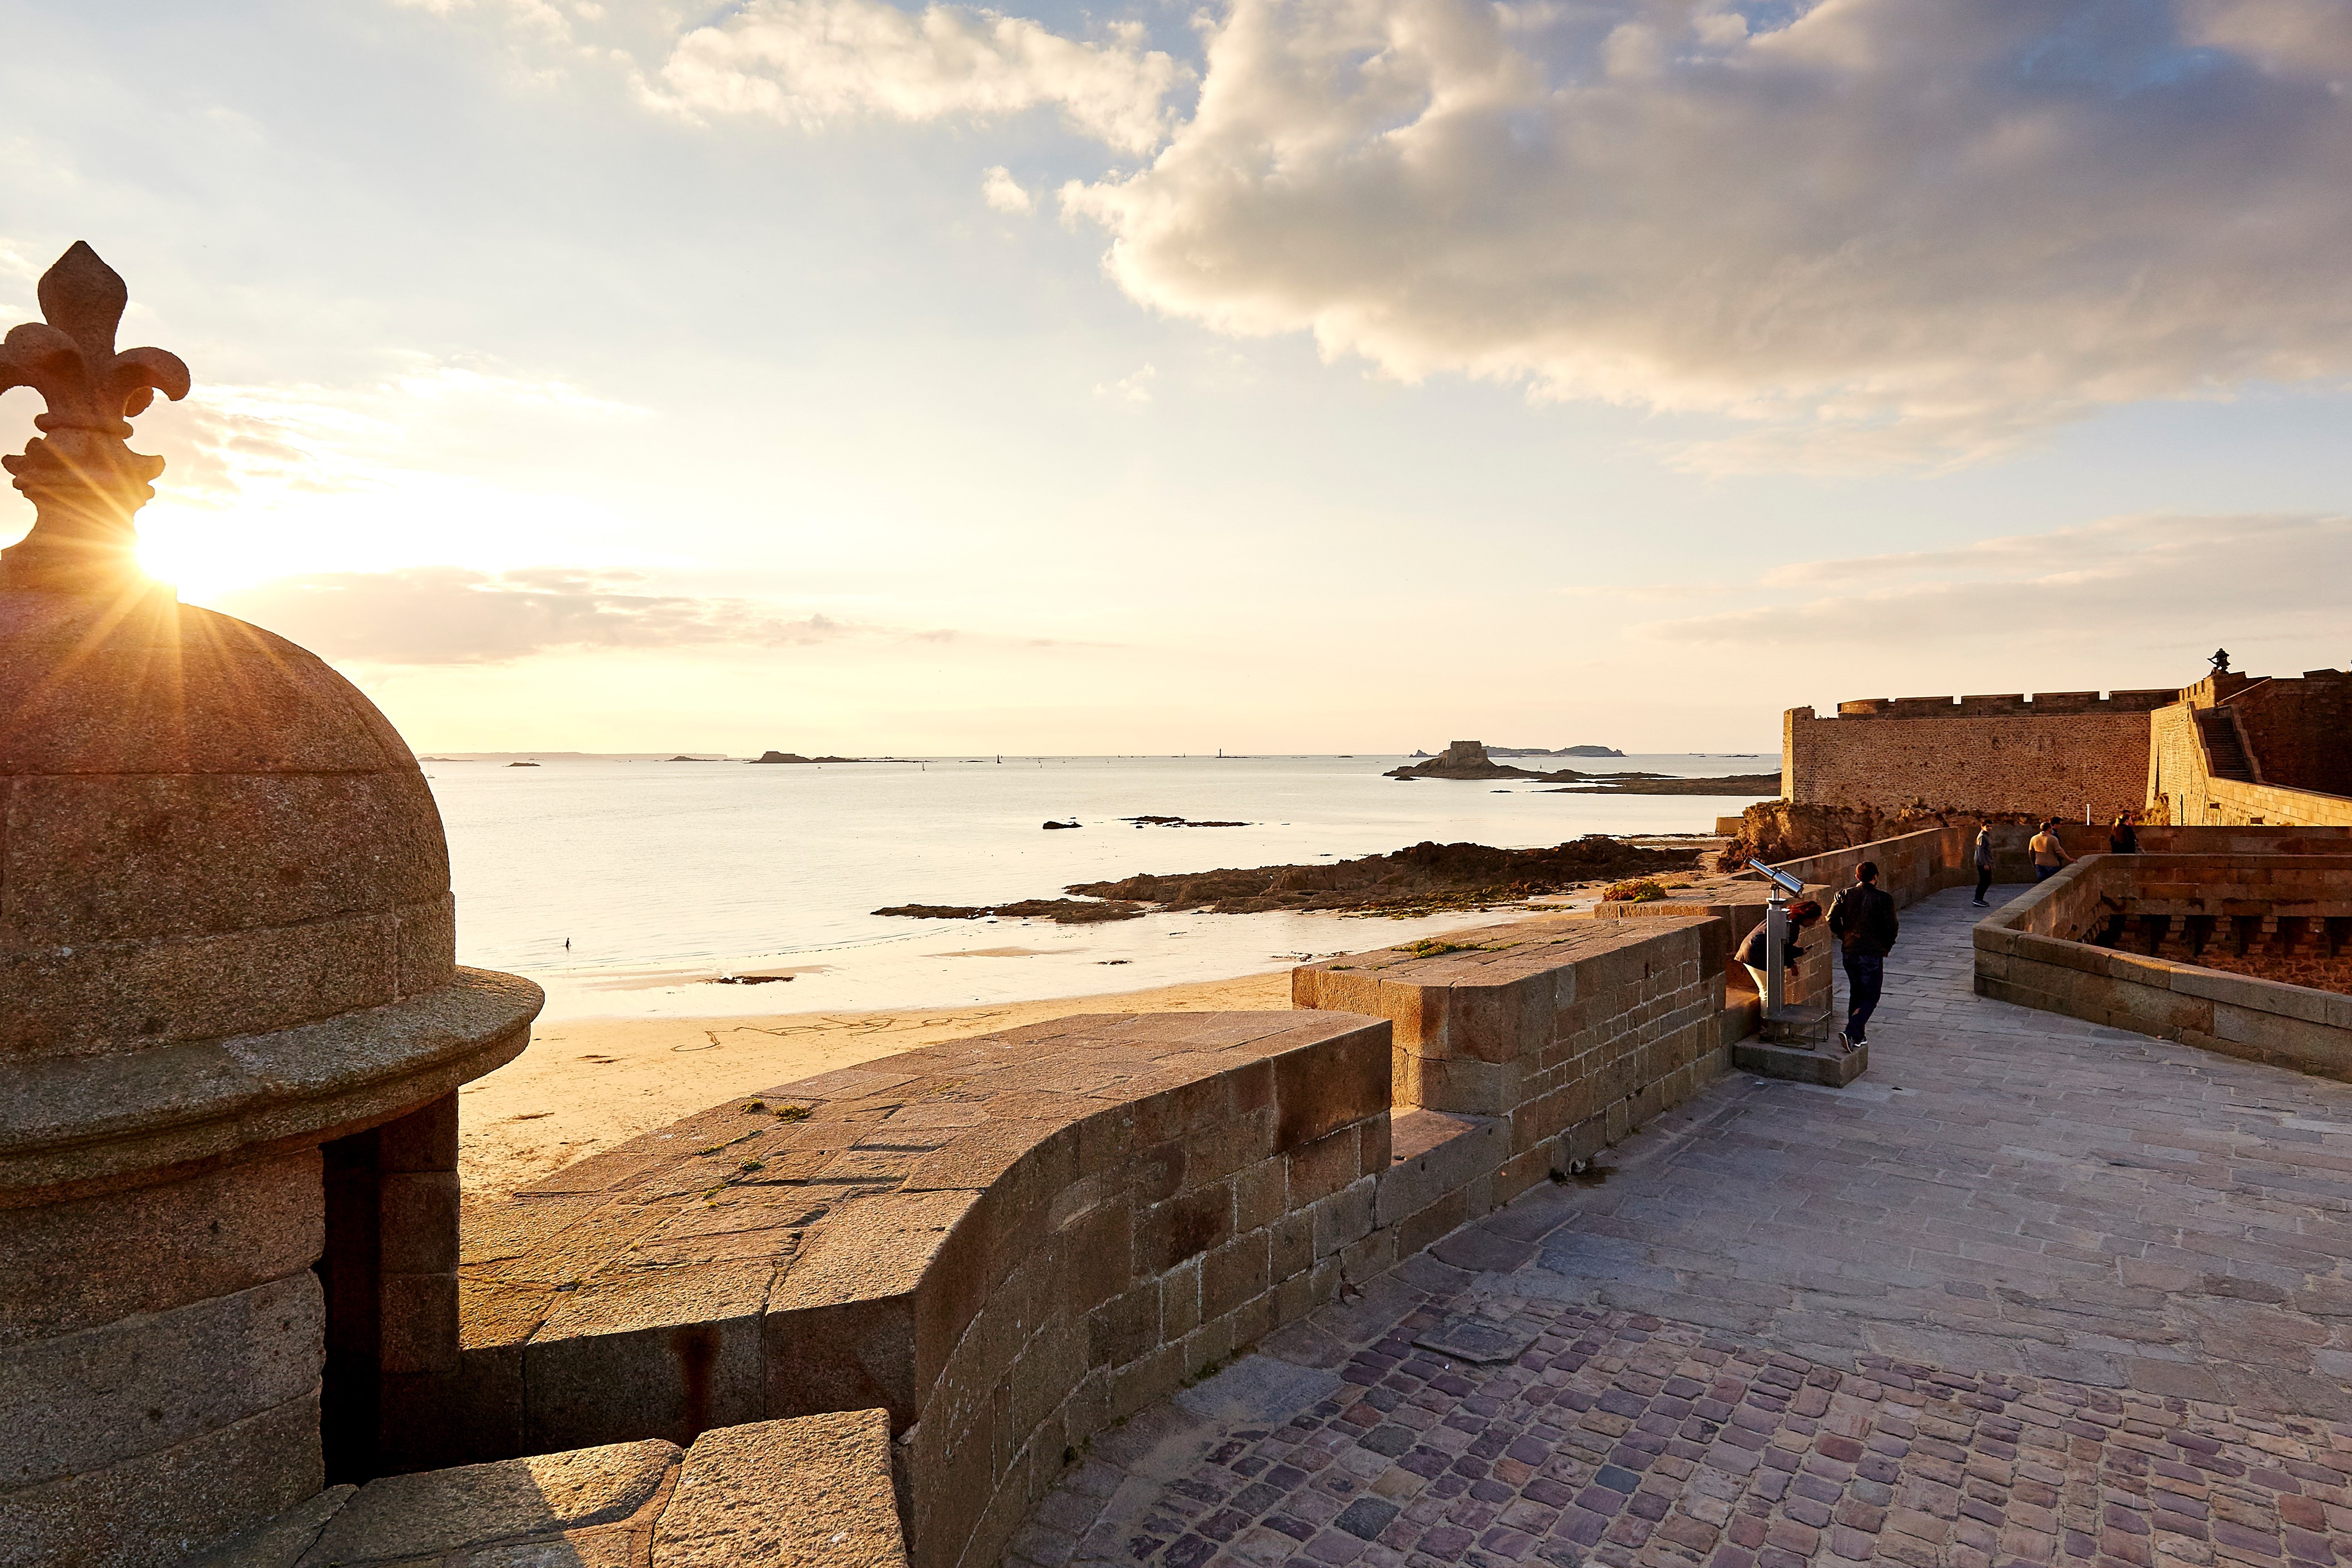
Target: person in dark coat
{"x": 1863, "y": 920}
{"x": 2121, "y": 838}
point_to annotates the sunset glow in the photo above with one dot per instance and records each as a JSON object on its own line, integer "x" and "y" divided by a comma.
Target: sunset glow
{"x": 838, "y": 375}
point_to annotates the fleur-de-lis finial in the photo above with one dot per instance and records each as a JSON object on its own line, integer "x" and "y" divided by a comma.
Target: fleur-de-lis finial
{"x": 85, "y": 485}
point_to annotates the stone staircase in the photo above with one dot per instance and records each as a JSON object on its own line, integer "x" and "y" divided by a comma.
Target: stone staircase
{"x": 2224, "y": 750}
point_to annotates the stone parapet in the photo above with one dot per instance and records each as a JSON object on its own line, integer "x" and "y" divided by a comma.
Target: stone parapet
{"x": 1003, "y": 1243}
{"x": 1740, "y": 906}
{"x": 1533, "y": 1044}
{"x": 2030, "y": 953}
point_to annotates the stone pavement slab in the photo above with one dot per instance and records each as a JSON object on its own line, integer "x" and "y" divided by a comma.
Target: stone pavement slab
{"x": 2032, "y": 1290}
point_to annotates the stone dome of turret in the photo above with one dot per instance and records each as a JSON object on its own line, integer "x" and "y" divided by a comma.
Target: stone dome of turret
{"x": 225, "y": 907}
{"x": 210, "y": 832}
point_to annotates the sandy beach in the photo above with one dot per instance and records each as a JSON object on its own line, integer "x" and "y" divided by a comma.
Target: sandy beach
{"x": 587, "y": 1084}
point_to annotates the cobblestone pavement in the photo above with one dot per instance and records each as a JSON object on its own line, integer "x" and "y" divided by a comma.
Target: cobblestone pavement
{"x": 2033, "y": 1291}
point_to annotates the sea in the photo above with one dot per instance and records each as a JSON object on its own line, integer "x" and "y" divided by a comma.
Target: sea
{"x": 644, "y": 888}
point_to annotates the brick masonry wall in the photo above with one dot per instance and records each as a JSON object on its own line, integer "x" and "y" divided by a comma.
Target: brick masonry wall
{"x": 2048, "y": 764}
{"x": 1541, "y": 1042}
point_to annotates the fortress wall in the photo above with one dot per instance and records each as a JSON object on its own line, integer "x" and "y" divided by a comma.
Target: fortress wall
{"x": 2048, "y": 757}
{"x": 2300, "y": 732}
{"x": 2025, "y": 953}
{"x": 2180, "y": 784}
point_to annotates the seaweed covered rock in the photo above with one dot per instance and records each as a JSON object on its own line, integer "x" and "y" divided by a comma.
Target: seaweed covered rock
{"x": 1425, "y": 877}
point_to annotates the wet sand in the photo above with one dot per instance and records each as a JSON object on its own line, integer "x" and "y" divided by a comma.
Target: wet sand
{"x": 587, "y": 1084}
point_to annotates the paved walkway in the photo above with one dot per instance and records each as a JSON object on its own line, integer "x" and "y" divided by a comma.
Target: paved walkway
{"x": 2033, "y": 1290}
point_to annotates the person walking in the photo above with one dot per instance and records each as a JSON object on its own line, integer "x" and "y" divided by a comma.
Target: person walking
{"x": 1863, "y": 920}
{"x": 1751, "y": 954}
{"x": 1984, "y": 863}
{"x": 2121, "y": 838}
{"x": 2049, "y": 855}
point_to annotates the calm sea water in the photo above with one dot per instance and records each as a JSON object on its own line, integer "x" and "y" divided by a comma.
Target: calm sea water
{"x": 655, "y": 863}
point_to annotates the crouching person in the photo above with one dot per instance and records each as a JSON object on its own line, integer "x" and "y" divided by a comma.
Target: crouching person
{"x": 1751, "y": 956}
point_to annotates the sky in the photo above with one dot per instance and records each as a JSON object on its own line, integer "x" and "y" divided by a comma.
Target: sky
{"x": 1298, "y": 375}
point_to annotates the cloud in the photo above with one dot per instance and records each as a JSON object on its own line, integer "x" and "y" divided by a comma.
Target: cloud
{"x": 428, "y": 616}
{"x": 1882, "y": 231}
{"x": 1004, "y": 193}
{"x": 2118, "y": 586}
{"x": 230, "y": 441}
{"x": 447, "y": 615}
{"x": 1135, "y": 388}
{"x": 815, "y": 63}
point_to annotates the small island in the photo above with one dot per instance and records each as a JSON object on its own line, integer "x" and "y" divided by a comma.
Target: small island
{"x": 1470, "y": 760}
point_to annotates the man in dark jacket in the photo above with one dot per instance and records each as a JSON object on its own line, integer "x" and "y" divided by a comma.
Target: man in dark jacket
{"x": 1863, "y": 920}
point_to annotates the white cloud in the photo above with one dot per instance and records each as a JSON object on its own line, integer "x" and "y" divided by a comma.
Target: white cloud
{"x": 440, "y": 614}
{"x": 449, "y": 614}
{"x": 1886, "y": 230}
{"x": 2109, "y": 589}
{"x": 1135, "y": 388}
{"x": 230, "y": 444}
{"x": 818, "y": 62}
{"x": 1004, "y": 193}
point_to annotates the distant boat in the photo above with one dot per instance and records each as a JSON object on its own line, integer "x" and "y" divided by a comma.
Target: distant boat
{"x": 1074, "y": 822}
{"x": 522, "y": 764}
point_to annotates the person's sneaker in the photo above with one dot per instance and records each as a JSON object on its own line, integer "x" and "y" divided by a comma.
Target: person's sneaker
{"x": 1844, "y": 1045}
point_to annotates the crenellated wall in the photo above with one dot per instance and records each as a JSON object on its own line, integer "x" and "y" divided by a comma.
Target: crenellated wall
{"x": 2048, "y": 757}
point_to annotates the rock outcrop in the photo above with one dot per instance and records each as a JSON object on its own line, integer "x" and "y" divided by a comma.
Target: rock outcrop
{"x": 1461, "y": 760}
{"x": 1061, "y": 911}
{"x": 1424, "y": 878}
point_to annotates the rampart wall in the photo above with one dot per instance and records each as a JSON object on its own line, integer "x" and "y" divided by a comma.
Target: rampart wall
{"x": 1003, "y": 1242}
{"x": 1520, "y": 1049}
{"x": 2182, "y": 785}
{"x": 2049, "y": 755}
{"x": 2300, "y": 732}
{"x": 2028, "y": 952}
{"x": 1007, "y": 1242}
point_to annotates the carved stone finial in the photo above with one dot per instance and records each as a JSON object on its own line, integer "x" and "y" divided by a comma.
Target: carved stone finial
{"x": 85, "y": 485}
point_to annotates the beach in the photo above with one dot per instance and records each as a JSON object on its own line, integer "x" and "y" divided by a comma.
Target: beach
{"x": 586, "y": 1084}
